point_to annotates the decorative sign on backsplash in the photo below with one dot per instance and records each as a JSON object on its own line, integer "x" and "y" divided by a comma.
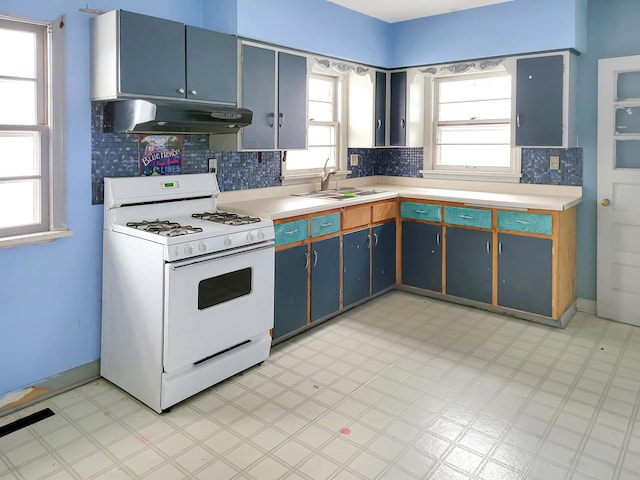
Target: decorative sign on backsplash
{"x": 159, "y": 154}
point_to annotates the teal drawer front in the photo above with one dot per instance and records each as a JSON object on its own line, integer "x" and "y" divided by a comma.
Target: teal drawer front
{"x": 421, "y": 211}
{"x": 525, "y": 222}
{"x": 468, "y": 217}
{"x": 292, "y": 231}
{"x": 325, "y": 224}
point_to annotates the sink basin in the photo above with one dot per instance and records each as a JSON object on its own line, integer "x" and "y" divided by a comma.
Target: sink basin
{"x": 340, "y": 194}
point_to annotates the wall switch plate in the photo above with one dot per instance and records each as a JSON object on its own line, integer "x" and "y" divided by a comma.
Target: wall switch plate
{"x": 554, "y": 162}
{"x": 213, "y": 165}
{"x": 353, "y": 159}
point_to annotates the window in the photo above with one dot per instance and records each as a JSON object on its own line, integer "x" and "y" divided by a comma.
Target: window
{"x": 323, "y": 128}
{"x": 32, "y": 152}
{"x": 471, "y": 128}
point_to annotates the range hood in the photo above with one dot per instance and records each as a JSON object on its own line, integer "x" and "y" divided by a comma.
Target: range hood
{"x": 165, "y": 116}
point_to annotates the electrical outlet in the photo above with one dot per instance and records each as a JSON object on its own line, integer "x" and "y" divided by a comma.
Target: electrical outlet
{"x": 554, "y": 162}
{"x": 353, "y": 159}
{"x": 213, "y": 165}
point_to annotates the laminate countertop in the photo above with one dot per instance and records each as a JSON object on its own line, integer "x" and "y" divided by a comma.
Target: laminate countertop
{"x": 282, "y": 202}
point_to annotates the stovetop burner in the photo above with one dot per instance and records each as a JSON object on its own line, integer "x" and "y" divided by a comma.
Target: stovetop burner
{"x": 165, "y": 228}
{"x": 226, "y": 218}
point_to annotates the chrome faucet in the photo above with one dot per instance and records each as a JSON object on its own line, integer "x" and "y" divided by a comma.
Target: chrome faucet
{"x": 324, "y": 183}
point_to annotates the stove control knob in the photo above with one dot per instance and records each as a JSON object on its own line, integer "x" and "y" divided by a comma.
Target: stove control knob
{"x": 202, "y": 247}
{"x": 227, "y": 242}
{"x": 261, "y": 235}
{"x": 250, "y": 237}
{"x": 188, "y": 250}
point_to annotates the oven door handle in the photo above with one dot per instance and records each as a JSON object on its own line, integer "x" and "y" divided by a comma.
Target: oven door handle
{"x": 227, "y": 253}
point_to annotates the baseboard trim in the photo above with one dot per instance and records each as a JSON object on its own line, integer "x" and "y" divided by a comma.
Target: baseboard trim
{"x": 587, "y": 306}
{"x": 58, "y": 384}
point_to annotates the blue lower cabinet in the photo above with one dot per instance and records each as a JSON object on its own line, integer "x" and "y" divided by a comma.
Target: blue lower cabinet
{"x": 468, "y": 264}
{"x": 422, "y": 255}
{"x": 383, "y": 257}
{"x": 524, "y": 273}
{"x": 325, "y": 277}
{"x": 290, "y": 303}
{"x": 356, "y": 266}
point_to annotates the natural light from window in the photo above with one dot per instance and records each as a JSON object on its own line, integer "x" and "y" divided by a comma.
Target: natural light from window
{"x": 472, "y": 124}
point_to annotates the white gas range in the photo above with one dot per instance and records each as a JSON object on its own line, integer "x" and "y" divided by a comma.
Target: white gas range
{"x": 187, "y": 291}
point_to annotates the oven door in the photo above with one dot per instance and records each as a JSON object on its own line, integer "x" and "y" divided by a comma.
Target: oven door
{"x": 216, "y": 302}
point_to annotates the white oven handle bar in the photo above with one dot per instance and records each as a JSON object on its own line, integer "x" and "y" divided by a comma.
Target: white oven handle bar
{"x": 223, "y": 254}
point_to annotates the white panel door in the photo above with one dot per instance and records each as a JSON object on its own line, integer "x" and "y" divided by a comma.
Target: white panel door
{"x": 618, "y": 295}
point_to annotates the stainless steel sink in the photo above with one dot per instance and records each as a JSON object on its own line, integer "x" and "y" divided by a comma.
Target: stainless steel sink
{"x": 340, "y": 194}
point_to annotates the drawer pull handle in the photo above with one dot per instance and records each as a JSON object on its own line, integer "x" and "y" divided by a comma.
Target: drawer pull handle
{"x": 323, "y": 225}
{"x": 523, "y": 222}
{"x": 315, "y": 258}
{"x": 467, "y": 217}
{"x": 421, "y": 211}
{"x": 291, "y": 232}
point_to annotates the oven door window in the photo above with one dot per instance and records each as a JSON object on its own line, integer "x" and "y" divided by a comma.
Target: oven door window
{"x": 223, "y": 288}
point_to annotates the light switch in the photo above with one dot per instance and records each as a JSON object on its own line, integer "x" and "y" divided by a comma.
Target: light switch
{"x": 554, "y": 162}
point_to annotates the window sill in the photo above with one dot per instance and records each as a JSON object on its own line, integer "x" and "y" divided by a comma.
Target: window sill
{"x": 31, "y": 238}
{"x": 298, "y": 178}
{"x": 479, "y": 177}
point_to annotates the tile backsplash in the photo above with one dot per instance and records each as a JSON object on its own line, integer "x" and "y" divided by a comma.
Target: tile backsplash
{"x": 116, "y": 155}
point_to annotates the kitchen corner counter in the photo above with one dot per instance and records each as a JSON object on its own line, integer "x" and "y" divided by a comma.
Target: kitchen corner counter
{"x": 280, "y": 202}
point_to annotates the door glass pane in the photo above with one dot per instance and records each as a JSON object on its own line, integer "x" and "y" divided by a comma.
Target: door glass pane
{"x": 20, "y": 59}
{"x": 20, "y": 154}
{"x": 223, "y": 288}
{"x": 627, "y": 153}
{"x": 628, "y": 85}
{"x": 18, "y": 101}
{"x": 24, "y": 198}
{"x": 627, "y": 120}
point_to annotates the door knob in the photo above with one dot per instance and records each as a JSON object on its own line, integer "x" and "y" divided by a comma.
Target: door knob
{"x": 605, "y": 202}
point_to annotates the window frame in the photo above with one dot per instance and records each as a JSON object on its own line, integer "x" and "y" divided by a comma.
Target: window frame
{"x": 431, "y": 169}
{"x": 50, "y": 122}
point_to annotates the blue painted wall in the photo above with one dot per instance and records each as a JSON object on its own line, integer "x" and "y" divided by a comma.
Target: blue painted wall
{"x": 495, "y": 30}
{"x": 612, "y": 32}
{"x": 50, "y": 293}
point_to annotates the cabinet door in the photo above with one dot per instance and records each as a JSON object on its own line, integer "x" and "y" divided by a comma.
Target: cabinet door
{"x": 422, "y": 255}
{"x": 259, "y": 96}
{"x": 211, "y": 66}
{"x": 539, "y": 101}
{"x": 290, "y": 302}
{"x": 383, "y": 266}
{"x": 398, "y": 111}
{"x": 325, "y": 277}
{"x": 468, "y": 264}
{"x": 524, "y": 273}
{"x": 356, "y": 266}
{"x": 152, "y": 56}
{"x": 292, "y": 101}
{"x": 380, "y": 109}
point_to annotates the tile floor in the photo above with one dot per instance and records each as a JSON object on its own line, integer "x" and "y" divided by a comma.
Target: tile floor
{"x": 401, "y": 388}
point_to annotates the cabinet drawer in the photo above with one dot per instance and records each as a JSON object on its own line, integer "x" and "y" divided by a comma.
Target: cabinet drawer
{"x": 325, "y": 224}
{"x": 356, "y": 216}
{"x": 525, "y": 222}
{"x": 468, "y": 217}
{"x": 290, "y": 232}
{"x": 383, "y": 211}
{"x": 421, "y": 211}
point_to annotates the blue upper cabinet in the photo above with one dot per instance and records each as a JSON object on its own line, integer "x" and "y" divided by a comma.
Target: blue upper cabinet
{"x": 292, "y": 101}
{"x": 398, "y": 109}
{"x": 176, "y": 61}
{"x": 212, "y": 72}
{"x": 279, "y": 115}
{"x": 380, "y": 109}
{"x": 259, "y": 96}
{"x": 545, "y": 102}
